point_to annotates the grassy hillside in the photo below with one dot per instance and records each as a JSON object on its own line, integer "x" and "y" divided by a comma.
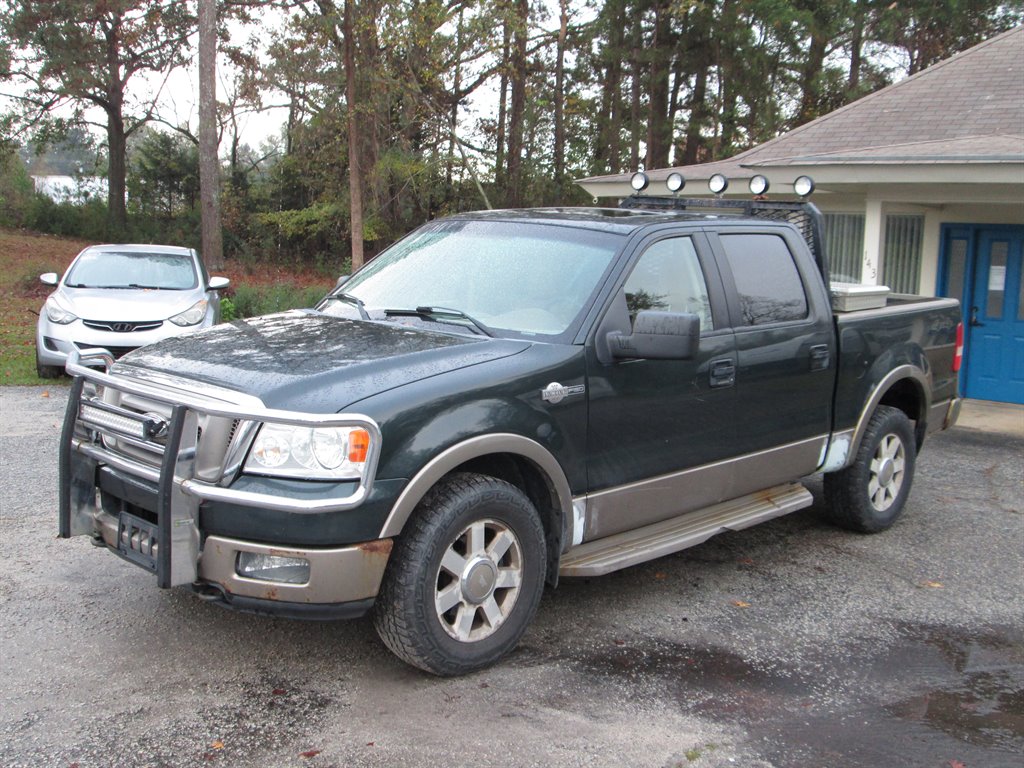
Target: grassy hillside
{"x": 24, "y": 256}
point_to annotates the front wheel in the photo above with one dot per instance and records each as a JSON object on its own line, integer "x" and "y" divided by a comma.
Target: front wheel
{"x": 465, "y": 577}
{"x": 869, "y": 495}
{"x": 47, "y": 371}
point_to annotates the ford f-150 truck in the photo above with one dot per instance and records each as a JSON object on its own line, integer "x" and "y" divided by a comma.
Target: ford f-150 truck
{"x": 499, "y": 399}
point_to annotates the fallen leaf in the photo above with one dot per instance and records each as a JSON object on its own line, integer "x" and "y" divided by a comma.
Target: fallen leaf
{"x": 218, "y": 744}
{"x": 485, "y": 685}
{"x": 956, "y": 764}
{"x": 661, "y": 576}
{"x": 741, "y": 604}
{"x": 371, "y": 743}
{"x": 309, "y": 753}
{"x": 279, "y": 692}
{"x": 46, "y": 393}
{"x": 746, "y": 561}
{"x": 620, "y": 642}
{"x": 932, "y": 584}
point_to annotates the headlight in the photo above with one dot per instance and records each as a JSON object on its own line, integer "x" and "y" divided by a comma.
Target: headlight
{"x": 191, "y": 316}
{"x": 57, "y": 314}
{"x": 318, "y": 453}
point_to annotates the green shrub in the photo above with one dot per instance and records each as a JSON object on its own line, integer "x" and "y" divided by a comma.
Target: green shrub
{"x": 250, "y": 301}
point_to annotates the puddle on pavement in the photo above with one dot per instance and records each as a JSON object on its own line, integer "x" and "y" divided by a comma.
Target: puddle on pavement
{"x": 963, "y": 697}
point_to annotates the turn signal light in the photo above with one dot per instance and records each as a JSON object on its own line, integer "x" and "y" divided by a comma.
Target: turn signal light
{"x": 358, "y": 445}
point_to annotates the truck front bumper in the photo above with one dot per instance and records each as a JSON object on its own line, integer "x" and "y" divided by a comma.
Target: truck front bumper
{"x": 152, "y": 515}
{"x": 341, "y": 582}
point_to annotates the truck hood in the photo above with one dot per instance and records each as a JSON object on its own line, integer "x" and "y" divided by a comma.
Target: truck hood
{"x": 305, "y": 361}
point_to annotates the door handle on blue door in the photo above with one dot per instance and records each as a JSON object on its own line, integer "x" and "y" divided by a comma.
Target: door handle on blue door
{"x": 723, "y": 373}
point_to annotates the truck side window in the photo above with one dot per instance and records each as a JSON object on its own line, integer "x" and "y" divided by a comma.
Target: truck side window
{"x": 668, "y": 278}
{"x": 767, "y": 281}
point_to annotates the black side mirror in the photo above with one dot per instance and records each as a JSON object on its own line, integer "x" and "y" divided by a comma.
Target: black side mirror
{"x": 657, "y": 336}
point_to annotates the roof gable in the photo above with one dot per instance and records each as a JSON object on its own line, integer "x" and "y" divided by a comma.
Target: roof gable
{"x": 976, "y": 93}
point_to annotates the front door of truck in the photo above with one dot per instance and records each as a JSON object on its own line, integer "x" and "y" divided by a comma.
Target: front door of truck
{"x": 658, "y": 428}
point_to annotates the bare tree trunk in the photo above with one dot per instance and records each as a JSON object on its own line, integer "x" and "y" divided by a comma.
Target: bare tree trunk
{"x": 635, "y": 86}
{"x": 563, "y": 25}
{"x": 355, "y": 185}
{"x": 659, "y": 125}
{"x": 516, "y": 128}
{"x": 499, "y": 155}
{"x": 209, "y": 165}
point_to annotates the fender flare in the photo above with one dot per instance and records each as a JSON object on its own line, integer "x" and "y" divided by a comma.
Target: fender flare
{"x": 894, "y": 376}
{"x": 474, "y": 448}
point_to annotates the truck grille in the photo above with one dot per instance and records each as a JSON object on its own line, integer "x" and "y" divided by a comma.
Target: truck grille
{"x": 135, "y": 427}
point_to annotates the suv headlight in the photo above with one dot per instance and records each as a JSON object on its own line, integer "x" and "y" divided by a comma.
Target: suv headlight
{"x": 57, "y": 314}
{"x": 191, "y": 316}
{"x": 318, "y": 453}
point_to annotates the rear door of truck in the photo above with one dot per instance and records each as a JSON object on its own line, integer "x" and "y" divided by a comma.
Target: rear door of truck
{"x": 786, "y": 352}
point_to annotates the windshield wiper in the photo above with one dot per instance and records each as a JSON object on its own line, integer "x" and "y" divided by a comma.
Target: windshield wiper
{"x": 354, "y": 300}
{"x": 441, "y": 315}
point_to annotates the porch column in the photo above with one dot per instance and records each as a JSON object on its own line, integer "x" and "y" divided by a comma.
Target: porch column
{"x": 874, "y": 242}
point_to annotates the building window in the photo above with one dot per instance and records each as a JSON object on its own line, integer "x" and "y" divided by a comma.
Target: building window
{"x": 902, "y": 258}
{"x": 844, "y": 246}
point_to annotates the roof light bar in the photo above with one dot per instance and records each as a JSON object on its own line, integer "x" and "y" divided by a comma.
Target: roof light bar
{"x": 718, "y": 184}
{"x": 758, "y": 185}
{"x": 639, "y": 181}
{"x": 675, "y": 182}
{"x": 803, "y": 186}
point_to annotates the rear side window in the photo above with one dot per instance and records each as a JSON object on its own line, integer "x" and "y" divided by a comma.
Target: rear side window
{"x": 767, "y": 281}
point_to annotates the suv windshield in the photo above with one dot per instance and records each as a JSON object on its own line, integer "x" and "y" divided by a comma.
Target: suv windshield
{"x": 523, "y": 277}
{"x": 115, "y": 269}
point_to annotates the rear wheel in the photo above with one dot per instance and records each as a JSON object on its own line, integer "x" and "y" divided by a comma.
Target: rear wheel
{"x": 869, "y": 495}
{"x": 465, "y": 578}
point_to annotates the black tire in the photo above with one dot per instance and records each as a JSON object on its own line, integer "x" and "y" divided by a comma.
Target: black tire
{"x": 47, "y": 371}
{"x": 869, "y": 495}
{"x": 495, "y": 530}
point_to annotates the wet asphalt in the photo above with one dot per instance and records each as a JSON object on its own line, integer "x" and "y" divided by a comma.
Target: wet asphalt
{"x": 790, "y": 644}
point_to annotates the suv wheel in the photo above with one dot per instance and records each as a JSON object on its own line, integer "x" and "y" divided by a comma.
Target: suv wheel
{"x": 465, "y": 578}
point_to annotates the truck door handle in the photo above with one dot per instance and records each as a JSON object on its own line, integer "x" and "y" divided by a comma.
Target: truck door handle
{"x": 820, "y": 357}
{"x": 723, "y": 373}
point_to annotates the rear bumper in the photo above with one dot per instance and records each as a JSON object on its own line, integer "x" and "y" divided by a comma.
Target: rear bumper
{"x": 944, "y": 415}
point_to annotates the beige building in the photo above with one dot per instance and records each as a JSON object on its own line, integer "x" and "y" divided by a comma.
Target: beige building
{"x": 922, "y": 188}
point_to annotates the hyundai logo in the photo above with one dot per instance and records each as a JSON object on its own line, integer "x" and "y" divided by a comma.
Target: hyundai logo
{"x": 122, "y": 327}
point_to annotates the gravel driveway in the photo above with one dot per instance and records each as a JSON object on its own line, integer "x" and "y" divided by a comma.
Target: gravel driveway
{"x": 790, "y": 644}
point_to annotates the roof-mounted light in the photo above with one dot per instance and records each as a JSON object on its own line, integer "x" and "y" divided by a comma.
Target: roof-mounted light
{"x": 758, "y": 185}
{"x": 639, "y": 181}
{"x": 718, "y": 184}
{"x": 803, "y": 186}
{"x": 675, "y": 182}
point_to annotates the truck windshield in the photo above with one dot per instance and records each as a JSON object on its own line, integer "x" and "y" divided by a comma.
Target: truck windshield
{"x": 523, "y": 277}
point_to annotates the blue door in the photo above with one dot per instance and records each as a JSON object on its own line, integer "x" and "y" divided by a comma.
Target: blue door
{"x": 995, "y": 343}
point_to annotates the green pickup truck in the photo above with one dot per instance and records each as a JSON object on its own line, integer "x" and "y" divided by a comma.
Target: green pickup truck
{"x": 501, "y": 399}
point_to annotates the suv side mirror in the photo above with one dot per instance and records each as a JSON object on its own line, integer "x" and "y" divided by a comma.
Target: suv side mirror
{"x": 341, "y": 281}
{"x": 216, "y": 283}
{"x": 657, "y": 336}
{"x": 49, "y": 278}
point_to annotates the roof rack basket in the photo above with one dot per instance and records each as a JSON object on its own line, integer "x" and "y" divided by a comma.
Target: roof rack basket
{"x": 805, "y": 216}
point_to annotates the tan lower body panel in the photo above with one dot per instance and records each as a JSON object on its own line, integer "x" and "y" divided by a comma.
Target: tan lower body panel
{"x": 622, "y": 550}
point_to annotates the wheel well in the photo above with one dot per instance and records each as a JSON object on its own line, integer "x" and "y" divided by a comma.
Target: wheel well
{"x": 907, "y": 396}
{"x": 531, "y": 480}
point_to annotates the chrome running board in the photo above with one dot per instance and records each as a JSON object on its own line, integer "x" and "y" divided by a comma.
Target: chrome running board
{"x": 594, "y": 558}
